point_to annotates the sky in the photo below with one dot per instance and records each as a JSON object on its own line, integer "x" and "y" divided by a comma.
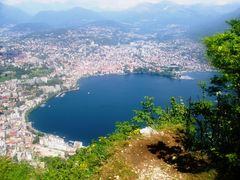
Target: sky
{"x": 33, "y": 6}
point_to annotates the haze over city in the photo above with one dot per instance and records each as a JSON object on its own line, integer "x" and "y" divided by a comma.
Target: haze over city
{"x": 34, "y": 6}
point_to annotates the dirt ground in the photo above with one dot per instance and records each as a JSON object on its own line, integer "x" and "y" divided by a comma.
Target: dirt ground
{"x": 157, "y": 157}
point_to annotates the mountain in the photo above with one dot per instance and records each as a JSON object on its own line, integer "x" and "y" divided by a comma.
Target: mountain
{"x": 32, "y": 27}
{"x": 212, "y": 26}
{"x": 145, "y": 16}
{"x": 221, "y": 25}
{"x": 170, "y": 13}
{"x": 198, "y": 20}
{"x": 12, "y": 15}
{"x": 234, "y": 14}
{"x": 70, "y": 18}
{"x": 195, "y": 20}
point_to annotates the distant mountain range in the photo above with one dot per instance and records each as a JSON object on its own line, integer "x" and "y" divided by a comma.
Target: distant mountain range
{"x": 213, "y": 25}
{"x": 70, "y": 18}
{"x": 170, "y": 13}
{"x": 12, "y": 15}
{"x": 150, "y": 17}
{"x": 147, "y": 17}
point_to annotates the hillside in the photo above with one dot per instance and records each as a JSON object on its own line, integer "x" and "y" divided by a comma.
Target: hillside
{"x": 215, "y": 25}
{"x": 196, "y": 20}
{"x": 69, "y": 18}
{"x": 12, "y": 15}
{"x": 130, "y": 153}
{"x": 160, "y": 155}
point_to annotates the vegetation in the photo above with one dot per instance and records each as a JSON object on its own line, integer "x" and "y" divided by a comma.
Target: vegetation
{"x": 209, "y": 127}
{"x": 12, "y": 170}
{"x": 11, "y": 72}
{"x": 39, "y": 72}
{"x": 169, "y": 72}
{"x": 8, "y": 73}
{"x": 54, "y": 81}
{"x": 215, "y": 126}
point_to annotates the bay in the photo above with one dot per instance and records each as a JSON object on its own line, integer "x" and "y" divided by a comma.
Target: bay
{"x": 92, "y": 111}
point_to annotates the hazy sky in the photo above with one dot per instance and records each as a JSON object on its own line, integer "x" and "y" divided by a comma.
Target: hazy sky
{"x": 36, "y": 5}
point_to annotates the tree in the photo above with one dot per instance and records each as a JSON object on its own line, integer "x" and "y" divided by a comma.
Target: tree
{"x": 223, "y": 52}
{"x": 12, "y": 170}
{"x": 217, "y": 125}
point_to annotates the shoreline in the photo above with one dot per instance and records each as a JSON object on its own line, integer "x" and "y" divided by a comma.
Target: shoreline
{"x": 77, "y": 87}
{"x": 27, "y": 112}
{"x": 37, "y": 143}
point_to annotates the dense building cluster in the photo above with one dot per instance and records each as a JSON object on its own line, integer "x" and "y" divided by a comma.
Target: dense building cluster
{"x": 51, "y": 63}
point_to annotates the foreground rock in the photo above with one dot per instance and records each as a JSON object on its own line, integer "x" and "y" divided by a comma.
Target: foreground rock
{"x": 148, "y": 132}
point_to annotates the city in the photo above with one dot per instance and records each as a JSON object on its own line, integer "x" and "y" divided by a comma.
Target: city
{"x": 52, "y": 63}
{"x": 115, "y": 89}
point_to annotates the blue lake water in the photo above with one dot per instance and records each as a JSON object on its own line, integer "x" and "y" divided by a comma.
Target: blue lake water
{"x": 92, "y": 111}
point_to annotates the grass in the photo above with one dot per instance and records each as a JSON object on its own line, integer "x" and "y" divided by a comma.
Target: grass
{"x": 5, "y": 78}
{"x": 115, "y": 168}
{"x": 134, "y": 154}
{"x": 123, "y": 158}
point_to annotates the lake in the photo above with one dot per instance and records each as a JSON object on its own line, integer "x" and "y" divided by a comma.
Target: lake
{"x": 92, "y": 111}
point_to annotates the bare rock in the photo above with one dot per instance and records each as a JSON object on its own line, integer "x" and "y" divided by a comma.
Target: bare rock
{"x": 148, "y": 131}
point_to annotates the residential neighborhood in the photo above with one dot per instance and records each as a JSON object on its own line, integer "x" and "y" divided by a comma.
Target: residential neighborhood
{"x": 36, "y": 67}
